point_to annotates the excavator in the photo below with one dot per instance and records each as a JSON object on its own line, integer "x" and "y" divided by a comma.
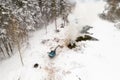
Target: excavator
{"x": 52, "y": 54}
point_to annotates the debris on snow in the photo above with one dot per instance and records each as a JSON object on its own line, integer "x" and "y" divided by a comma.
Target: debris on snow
{"x": 36, "y": 65}
{"x": 85, "y": 38}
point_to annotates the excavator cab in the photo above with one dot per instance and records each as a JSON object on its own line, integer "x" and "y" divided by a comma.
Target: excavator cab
{"x": 52, "y": 54}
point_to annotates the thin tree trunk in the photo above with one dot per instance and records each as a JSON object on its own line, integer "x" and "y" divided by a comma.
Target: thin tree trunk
{"x": 2, "y": 51}
{"x": 10, "y": 47}
{"x": 55, "y": 23}
{"x": 20, "y": 53}
{"x": 7, "y": 51}
{"x": 46, "y": 27}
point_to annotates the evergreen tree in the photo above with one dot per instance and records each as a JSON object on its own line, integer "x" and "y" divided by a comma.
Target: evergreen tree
{"x": 111, "y": 11}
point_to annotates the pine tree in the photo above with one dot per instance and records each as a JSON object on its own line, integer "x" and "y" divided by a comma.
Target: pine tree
{"x": 113, "y": 11}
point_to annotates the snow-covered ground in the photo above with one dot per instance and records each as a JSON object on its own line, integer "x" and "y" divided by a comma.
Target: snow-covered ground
{"x": 91, "y": 60}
